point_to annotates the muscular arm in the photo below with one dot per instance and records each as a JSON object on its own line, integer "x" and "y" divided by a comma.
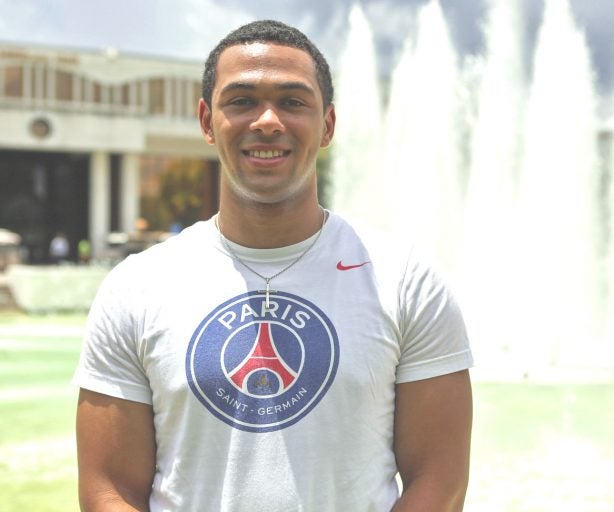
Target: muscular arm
{"x": 116, "y": 453}
{"x": 432, "y": 440}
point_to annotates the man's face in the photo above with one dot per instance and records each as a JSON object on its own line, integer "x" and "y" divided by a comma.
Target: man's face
{"x": 267, "y": 120}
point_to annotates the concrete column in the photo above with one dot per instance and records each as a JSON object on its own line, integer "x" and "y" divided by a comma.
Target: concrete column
{"x": 129, "y": 196}
{"x": 132, "y": 96}
{"x": 105, "y": 96}
{"x": 77, "y": 93}
{"x": 145, "y": 97}
{"x": 178, "y": 94}
{"x": 190, "y": 107}
{"x": 27, "y": 83}
{"x": 168, "y": 97}
{"x": 51, "y": 84}
{"x": 39, "y": 82}
{"x": 100, "y": 201}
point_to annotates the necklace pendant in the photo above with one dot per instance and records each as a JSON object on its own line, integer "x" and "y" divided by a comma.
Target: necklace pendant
{"x": 267, "y": 292}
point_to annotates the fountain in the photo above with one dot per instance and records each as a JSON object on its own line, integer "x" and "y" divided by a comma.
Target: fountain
{"x": 422, "y": 142}
{"x": 514, "y": 224}
{"x": 488, "y": 251}
{"x": 608, "y": 215}
{"x": 559, "y": 214}
{"x": 358, "y": 131}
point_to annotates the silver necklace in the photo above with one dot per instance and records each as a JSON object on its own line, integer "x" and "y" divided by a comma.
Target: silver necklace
{"x": 267, "y": 291}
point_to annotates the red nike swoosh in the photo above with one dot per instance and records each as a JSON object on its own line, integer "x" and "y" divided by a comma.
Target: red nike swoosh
{"x": 341, "y": 266}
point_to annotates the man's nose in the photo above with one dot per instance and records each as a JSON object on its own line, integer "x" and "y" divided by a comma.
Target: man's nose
{"x": 268, "y": 122}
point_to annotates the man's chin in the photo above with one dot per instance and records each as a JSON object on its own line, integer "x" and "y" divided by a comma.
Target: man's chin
{"x": 269, "y": 196}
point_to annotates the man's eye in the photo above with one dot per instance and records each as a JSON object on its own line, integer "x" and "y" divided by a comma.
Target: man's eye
{"x": 293, "y": 102}
{"x": 241, "y": 102}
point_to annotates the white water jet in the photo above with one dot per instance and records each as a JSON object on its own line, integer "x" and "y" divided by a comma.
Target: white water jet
{"x": 529, "y": 260}
{"x": 559, "y": 216}
{"x": 357, "y": 178}
{"x": 610, "y": 252}
{"x": 422, "y": 140}
{"x": 488, "y": 260}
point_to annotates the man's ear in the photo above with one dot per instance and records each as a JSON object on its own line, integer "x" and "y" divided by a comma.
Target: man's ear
{"x": 329, "y": 125}
{"x": 204, "y": 117}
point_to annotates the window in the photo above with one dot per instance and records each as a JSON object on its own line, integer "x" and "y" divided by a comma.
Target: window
{"x": 97, "y": 96}
{"x": 156, "y": 96}
{"x": 13, "y": 81}
{"x": 125, "y": 96}
{"x": 63, "y": 86}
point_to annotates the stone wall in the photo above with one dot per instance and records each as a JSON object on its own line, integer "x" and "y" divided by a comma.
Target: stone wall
{"x": 39, "y": 289}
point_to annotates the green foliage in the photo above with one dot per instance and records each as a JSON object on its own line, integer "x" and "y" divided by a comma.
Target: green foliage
{"x": 325, "y": 177}
{"x": 182, "y": 190}
{"x": 181, "y": 194}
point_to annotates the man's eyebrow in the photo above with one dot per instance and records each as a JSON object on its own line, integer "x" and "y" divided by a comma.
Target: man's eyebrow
{"x": 285, "y": 86}
{"x": 232, "y": 86}
{"x": 296, "y": 85}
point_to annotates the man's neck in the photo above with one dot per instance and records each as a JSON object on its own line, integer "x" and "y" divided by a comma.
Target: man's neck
{"x": 265, "y": 226}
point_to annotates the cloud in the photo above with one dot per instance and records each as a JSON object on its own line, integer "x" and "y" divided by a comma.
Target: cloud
{"x": 330, "y": 35}
{"x": 323, "y": 22}
{"x": 208, "y": 21}
{"x": 392, "y": 19}
{"x": 20, "y": 21}
{"x": 190, "y": 28}
{"x": 597, "y": 19}
{"x": 392, "y": 22}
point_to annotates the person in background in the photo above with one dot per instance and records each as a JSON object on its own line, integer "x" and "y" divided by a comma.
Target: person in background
{"x": 84, "y": 248}
{"x": 274, "y": 357}
{"x": 59, "y": 248}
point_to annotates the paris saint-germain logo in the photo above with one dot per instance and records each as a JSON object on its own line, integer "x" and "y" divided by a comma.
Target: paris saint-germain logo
{"x": 261, "y": 369}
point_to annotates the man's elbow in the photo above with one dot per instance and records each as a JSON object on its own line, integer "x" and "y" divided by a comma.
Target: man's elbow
{"x": 110, "y": 499}
{"x": 437, "y": 492}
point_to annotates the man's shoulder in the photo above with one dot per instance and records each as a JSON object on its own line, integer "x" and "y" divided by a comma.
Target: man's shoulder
{"x": 162, "y": 258}
{"x": 192, "y": 238}
{"x": 386, "y": 248}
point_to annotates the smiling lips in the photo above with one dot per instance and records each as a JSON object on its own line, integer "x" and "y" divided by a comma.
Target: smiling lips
{"x": 270, "y": 153}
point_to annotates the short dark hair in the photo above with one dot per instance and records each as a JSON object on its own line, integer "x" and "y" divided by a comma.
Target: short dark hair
{"x": 268, "y": 31}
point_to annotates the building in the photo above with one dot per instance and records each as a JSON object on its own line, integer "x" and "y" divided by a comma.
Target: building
{"x": 92, "y": 141}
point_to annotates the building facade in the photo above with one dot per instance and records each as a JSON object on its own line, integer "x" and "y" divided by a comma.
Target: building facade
{"x": 92, "y": 141}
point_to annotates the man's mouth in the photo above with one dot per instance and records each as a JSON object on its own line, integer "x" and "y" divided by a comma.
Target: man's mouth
{"x": 270, "y": 153}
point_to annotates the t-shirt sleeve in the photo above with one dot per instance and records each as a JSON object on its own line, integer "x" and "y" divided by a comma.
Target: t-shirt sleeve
{"x": 110, "y": 361}
{"x": 433, "y": 335}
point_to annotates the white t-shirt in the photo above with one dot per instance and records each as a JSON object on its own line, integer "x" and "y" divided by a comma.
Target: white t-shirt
{"x": 286, "y": 409}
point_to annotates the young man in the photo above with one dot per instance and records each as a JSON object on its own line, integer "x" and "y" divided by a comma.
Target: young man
{"x": 269, "y": 358}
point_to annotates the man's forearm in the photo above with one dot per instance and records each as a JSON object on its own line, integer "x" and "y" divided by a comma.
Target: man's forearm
{"x": 112, "y": 501}
{"x": 430, "y": 495}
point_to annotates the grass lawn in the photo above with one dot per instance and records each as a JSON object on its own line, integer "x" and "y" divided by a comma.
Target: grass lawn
{"x": 536, "y": 447}
{"x": 37, "y": 450}
{"x": 542, "y": 448}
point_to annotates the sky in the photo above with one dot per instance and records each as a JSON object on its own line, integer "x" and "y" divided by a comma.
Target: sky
{"x": 188, "y": 29}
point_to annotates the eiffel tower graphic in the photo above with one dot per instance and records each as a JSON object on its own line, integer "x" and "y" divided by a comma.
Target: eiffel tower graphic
{"x": 263, "y": 356}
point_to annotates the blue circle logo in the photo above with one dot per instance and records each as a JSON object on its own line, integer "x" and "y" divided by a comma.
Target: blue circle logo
{"x": 261, "y": 369}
